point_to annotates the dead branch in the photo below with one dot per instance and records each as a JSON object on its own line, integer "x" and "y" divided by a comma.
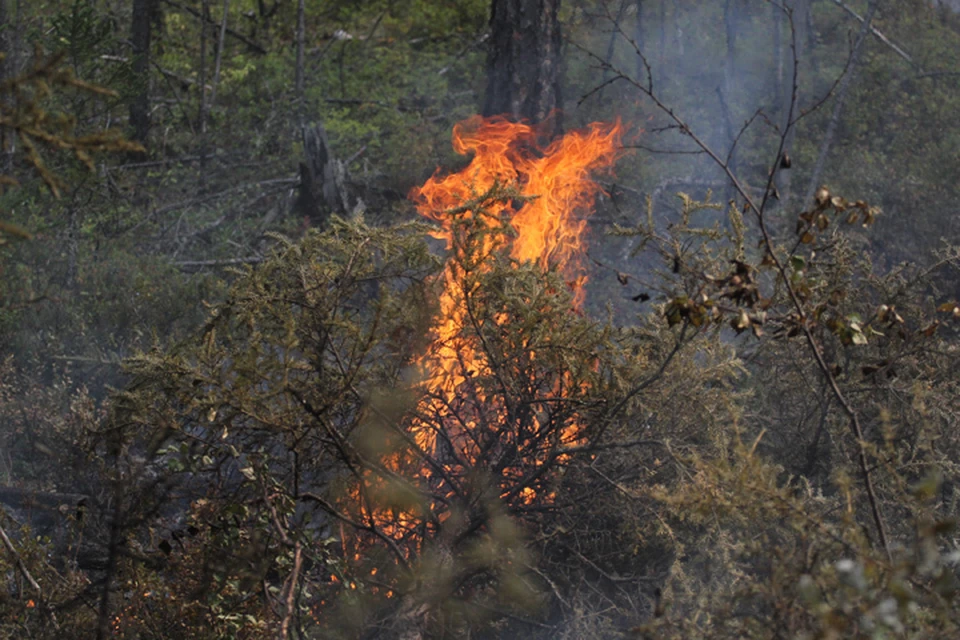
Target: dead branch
{"x": 188, "y": 265}
{"x": 882, "y": 38}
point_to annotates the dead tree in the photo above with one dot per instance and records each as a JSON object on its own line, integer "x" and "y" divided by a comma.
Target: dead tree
{"x": 143, "y": 11}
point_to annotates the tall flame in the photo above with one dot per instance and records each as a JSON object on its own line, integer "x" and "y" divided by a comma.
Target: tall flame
{"x": 548, "y": 226}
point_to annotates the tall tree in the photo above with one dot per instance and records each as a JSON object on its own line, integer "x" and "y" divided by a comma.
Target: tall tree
{"x": 523, "y": 64}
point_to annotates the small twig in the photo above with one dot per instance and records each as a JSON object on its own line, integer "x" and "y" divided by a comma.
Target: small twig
{"x": 213, "y": 196}
{"x": 362, "y": 103}
{"x": 356, "y": 155}
{"x": 627, "y": 444}
{"x": 219, "y": 57}
{"x": 391, "y": 543}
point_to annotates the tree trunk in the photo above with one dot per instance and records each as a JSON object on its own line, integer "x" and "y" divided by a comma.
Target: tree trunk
{"x": 523, "y": 64}
{"x": 662, "y": 51}
{"x": 202, "y": 112}
{"x": 140, "y": 38}
{"x": 727, "y": 95}
{"x": 298, "y": 81}
{"x": 778, "y": 51}
{"x": 731, "y": 16}
{"x": 5, "y": 46}
{"x": 218, "y": 59}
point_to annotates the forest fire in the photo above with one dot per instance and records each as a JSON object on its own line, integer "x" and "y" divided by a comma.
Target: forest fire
{"x": 544, "y": 225}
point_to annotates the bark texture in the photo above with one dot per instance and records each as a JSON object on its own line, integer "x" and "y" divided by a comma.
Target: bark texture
{"x": 5, "y": 49}
{"x": 523, "y": 64}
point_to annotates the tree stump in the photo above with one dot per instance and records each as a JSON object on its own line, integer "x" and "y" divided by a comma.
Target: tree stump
{"x": 323, "y": 189}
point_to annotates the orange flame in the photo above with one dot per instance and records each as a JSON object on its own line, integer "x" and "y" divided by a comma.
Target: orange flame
{"x": 548, "y": 228}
